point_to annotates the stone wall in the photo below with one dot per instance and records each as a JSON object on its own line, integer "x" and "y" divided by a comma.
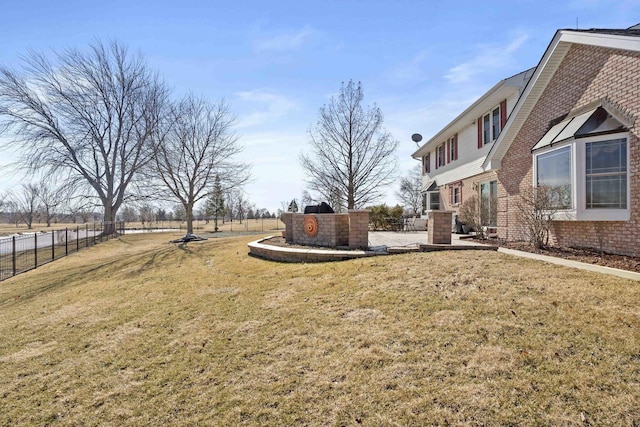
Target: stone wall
{"x": 333, "y": 230}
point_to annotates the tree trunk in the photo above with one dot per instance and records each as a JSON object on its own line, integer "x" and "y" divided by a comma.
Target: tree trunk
{"x": 189, "y": 211}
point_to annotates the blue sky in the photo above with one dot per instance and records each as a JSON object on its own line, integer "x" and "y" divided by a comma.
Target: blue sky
{"x": 277, "y": 62}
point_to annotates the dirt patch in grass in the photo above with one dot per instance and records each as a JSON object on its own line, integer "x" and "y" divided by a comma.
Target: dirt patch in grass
{"x": 137, "y": 331}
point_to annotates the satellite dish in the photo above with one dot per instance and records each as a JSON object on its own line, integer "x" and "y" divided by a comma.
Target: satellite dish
{"x": 416, "y": 137}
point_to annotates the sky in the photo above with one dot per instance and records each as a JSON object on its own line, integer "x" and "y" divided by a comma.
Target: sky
{"x": 276, "y": 63}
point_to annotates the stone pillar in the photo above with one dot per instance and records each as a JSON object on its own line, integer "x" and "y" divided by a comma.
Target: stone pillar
{"x": 358, "y": 229}
{"x": 287, "y": 218}
{"x": 439, "y": 227}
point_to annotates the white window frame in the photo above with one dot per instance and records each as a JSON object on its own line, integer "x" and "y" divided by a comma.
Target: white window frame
{"x": 488, "y": 184}
{"x": 492, "y": 135}
{"x": 429, "y": 207}
{"x": 441, "y": 155}
{"x": 579, "y": 211}
{"x": 452, "y": 149}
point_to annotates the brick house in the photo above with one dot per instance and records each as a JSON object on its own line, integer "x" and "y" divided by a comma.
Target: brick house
{"x": 452, "y": 159}
{"x": 575, "y": 128}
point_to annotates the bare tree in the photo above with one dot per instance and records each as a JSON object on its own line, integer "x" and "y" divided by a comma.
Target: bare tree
{"x": 352, "y": 155}
{"x": 25, "y": 203}
{"x": 536, "y": 209}
{"x": 410, "y": 193}
{"x": 147, "y": 215}
{"x": 51, "y": 198}
{"x": 129, "y": 214}
{"x": 198, "y": 146}
{"x": 90, "y": 114}
{"x": 473, "y": 213}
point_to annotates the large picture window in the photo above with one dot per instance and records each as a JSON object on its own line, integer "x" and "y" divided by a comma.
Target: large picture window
{"x": 588, "y": 178}
{"x": 554, "y": 173}
{"x": 606, "y": 174}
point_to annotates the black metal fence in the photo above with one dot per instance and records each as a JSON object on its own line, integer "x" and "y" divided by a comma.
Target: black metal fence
{"x": 27, "y": 251}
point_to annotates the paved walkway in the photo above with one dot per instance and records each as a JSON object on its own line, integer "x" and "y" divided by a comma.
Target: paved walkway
{"x": 414, "y": 238}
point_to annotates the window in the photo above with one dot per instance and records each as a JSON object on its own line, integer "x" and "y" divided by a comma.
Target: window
{"x": 495, "y": 123}
{"x": 491, "y": 126}
{"x": 426, "y": 164}
{"x": 489, "y": 203}
{"x": 440, "y": 156}
{"x": 606, "y": 174}
{"x": 434, "y": 200}
{"x": 554, "y": 173}
{"x": 486, "y": 129}
{"x": 588, "y": 177}
{"x": 453, "y": 150}
{"x": 455, "y": 194}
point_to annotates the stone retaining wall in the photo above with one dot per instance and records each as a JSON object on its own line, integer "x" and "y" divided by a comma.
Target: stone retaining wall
{"x": 333, "y": 230}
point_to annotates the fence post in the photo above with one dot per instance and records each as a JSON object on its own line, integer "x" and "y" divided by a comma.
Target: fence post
{"x": 13, "y": 251}
{"x": 35, "y": 249}
{"x": 86, "y": 235}
{"x": 66, "y": 241}
{"x": 77, "y": 238}
{"x": 53, "y": 245}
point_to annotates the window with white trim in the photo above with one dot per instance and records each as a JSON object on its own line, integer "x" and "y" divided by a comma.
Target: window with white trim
{"x": 491, "y": 126}
{"x": 440, "y": 156}
{"x": 554, "y": 173}
{"x": 606, "y": 174}
{"x": 453, "y": 150}
{"x": 489, "y": 203}
{"x": 590, "y": 176}
{"x": 433, "y": 200}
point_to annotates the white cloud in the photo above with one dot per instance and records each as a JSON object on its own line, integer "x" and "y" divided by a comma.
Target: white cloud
{"x": 490, "y": 57}
{"x": 263, "y": 106}
{"x": 412, "y": 71}
{"x": 284, "y": 42}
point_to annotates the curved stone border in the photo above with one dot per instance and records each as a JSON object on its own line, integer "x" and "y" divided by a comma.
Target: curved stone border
{"x": 282, "y": 254}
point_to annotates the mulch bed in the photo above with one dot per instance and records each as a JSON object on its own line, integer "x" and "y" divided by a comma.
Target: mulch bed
{"x": 586, "y": 255}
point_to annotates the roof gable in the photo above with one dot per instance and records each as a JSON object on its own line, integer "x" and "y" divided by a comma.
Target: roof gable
{"x": 549, "y": 63}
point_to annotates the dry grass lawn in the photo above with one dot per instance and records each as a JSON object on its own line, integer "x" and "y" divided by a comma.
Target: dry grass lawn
{"x": 137, "y": 331}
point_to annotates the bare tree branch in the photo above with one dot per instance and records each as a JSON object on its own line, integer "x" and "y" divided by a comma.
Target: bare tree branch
{"x": 352, "y": 158}
{"x": 197, "y": 145}
{"x": 90, "y": 113}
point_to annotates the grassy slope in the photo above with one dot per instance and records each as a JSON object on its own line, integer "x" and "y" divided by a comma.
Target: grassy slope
{"x": 138, "y": 331}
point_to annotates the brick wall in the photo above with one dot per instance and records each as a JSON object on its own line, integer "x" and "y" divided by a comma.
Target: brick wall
{"x": 439, "y": 228}
{"x": 350, "y": 229}
{"x": 287, "y": 218}
{"x": 331, "y": 230}
{"x": 358, "y": 229}
{"x": 587, "y": 74}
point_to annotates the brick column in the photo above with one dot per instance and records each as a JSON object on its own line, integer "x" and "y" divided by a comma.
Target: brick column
{"x": 358, "y": 229}
{"x": 287, "y": 218}
{"x": 439, "y": 228}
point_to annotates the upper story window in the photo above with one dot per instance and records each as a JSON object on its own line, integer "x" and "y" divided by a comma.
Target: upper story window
{"x": 452, "y": 145}
{"x": 426, "y": 164}
{"x": 440, "y": 156}
{"x": 490, "y": 125}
